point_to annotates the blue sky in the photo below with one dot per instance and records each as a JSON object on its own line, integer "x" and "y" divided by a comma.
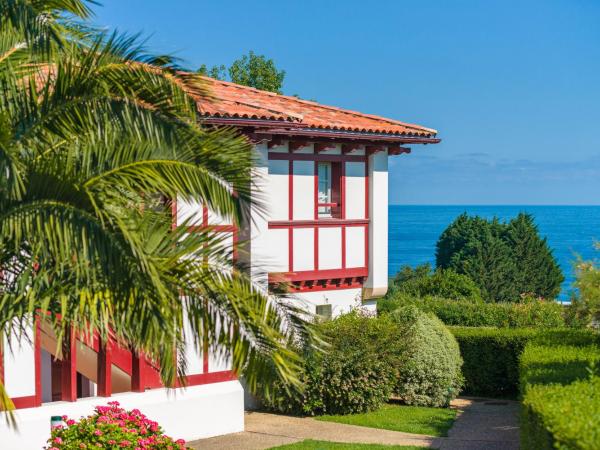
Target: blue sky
{"x": 512, "y": 86}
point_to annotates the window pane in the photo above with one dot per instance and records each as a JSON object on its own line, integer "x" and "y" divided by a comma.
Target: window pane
{"x": 324, "y": 179}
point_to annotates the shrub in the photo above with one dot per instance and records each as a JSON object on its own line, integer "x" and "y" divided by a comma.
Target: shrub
{"x": 533, "y": 313}
{"x": 112, "y": 427}
{"x": 429, "y": 370}
{"x": 491, "y": 359}
{"x": 355, "y": 375}
{"x": 561, "y": 393}
{"x": 421, "y": 282}
{"x": 491, "y": 355}
{"x": 557, "y": 364}
{"x": 563, "y": 417}
{"x": 504, "y": 259}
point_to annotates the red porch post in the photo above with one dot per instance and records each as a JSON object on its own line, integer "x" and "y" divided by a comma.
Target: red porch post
{"x": 68, "y": 377}
{"x": 137, "y": 372}
{"x": 104, "y": 369}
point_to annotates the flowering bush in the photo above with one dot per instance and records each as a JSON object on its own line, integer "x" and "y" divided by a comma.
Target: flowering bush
{"x": 112, "y": 427}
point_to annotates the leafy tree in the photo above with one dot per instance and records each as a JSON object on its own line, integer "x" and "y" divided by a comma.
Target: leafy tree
{"x": 250, "y": 70}
{"x": 585, "y": 302}
{"x": 421, "y": 282}
{"x": 506, "y": 260}
{"x": 537, "y": 270}
{"x": 92, "y": 131}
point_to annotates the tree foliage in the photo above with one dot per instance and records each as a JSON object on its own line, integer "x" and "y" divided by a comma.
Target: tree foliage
{"x": 252, "y": 70}
{"x": 422, "y": 282}
{"x": 93, "y": 131}
{"x": 506, "y": 260}
{"x": 585, "y": 301}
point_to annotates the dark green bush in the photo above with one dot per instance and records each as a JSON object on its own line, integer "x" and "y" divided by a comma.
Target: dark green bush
{"x": 533, "y": 313}
{"x": 355, "y": 375}
{"x": 491, "y": 355}
{"x": 491, "y": 359}
{"x": 506, "y": 260}
{"x": 421, "y": 282}
{"x": 562, "y": 417}
{"x": 429, "y": 370}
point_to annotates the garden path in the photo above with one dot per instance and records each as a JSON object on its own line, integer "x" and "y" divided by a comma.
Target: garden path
{"x": 483, "y": 424}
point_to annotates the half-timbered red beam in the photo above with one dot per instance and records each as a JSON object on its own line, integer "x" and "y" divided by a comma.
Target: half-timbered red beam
{"x": 324, "y": 146}
{"x": 68, "y": 368}
{"x": 104, "y": 369}
{"x": 349, "y": 148}
{"x": 274, "y": 142}
{"x": 138, "y": 363}
{"x": 297, "y": 145}
{"x": 372, "y": 149}
{"x": 397, "y": 150}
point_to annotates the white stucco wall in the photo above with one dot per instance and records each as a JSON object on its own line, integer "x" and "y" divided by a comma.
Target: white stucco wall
{"x": 330, "y": 248}
{"x": 189, "y": 413}
{"x": 19, "y": 366}
{"x": 355, "y": 247}
{"x": 341, "y": 300}
{"x": 304, "y": 190}
{"x": 355, "y": 190}
{"x": 376, "y": 284}
{"x": 304, "y": 239}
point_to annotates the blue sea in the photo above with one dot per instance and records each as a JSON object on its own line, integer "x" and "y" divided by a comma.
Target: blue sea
{"x": 571, "y": 231}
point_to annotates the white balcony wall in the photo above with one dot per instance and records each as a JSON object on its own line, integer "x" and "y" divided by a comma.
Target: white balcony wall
{"x": 304, "y": 190}
{"x": 355, "y": 247}
{"x": 304, "y": 249}
{"x": 355, "y": 190}
{"x": 330, "y": 248}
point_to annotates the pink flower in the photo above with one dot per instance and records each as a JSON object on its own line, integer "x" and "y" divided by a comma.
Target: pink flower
{"x": 98, "y": 432}
{"x": 82, "y": 445}
{"x": 70, "y": 422}
{"x": 58, "y": 440}
{"x": 112, "y": 441}
{"x": 124, "y": 443}
{"x": 64, "y": 418}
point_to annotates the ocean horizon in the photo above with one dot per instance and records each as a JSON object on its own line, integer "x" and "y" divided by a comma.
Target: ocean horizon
{"x": 571, "y": 231}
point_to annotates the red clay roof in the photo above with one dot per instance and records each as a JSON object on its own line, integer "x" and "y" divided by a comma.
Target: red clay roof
{"x": 234, "y": 101}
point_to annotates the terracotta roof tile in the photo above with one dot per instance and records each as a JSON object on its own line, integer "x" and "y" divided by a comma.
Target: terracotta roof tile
{"x": 230, "y": 100}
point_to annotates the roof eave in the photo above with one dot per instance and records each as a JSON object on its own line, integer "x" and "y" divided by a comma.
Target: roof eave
{"x": 291, "y": 129}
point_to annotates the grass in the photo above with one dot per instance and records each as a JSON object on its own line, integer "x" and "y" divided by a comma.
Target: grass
{"x": 410, "y": 419}
{"x": 324, "y": 445}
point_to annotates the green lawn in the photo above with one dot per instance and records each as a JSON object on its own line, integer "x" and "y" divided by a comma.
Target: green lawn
{"x": 410, "y": 419}
{"x": 324, "y": 445}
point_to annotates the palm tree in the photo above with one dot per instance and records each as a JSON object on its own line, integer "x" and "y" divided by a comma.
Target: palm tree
{"x": 95, "y": 134}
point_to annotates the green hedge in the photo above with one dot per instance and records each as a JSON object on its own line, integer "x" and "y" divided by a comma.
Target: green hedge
{"x": 491, "y": 355}
{"x": 468, "y": 313}
{"x": 491, "y": 359}
{"x": 563, "y": 417}
{"x": 561, "y": 395}
{"x": 543, "y": 364}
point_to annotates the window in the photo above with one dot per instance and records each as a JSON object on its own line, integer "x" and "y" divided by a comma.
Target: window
{"x": 324, "y": 311}
{"x": 328, "y": 196}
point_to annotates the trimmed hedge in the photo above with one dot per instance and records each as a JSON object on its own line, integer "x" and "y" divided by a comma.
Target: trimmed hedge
{"x": 491, "y": 355}
{"x": 491, "y": 359}
{"x": 562, "y": 417}
{"x": 561, "y": 395}
{"x": 469, "y": 313}
{"x": 543, "y": 364}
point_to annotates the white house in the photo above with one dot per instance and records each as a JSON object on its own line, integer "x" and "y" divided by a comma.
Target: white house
{"x": 323, "y": 176}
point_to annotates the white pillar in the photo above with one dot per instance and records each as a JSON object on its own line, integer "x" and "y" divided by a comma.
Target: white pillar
{"x": 376, "y": 284}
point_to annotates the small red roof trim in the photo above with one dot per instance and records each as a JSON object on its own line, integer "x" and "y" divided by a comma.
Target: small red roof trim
{"x": 234, "y": 101}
